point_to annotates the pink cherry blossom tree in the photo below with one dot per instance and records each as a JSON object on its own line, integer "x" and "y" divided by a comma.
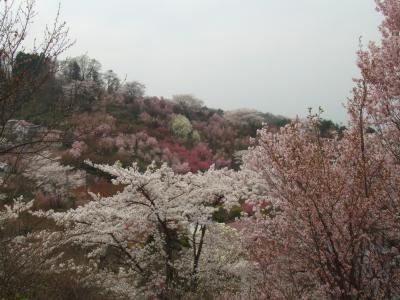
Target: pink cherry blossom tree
{"x": 379, "y": 65}
{"x": 331, "y": 228}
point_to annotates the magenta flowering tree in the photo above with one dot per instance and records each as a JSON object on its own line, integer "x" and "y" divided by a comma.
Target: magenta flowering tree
{"x": 199, "y": 158}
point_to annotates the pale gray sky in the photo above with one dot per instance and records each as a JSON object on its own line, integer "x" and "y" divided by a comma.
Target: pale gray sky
{"x": 278, "y": 56}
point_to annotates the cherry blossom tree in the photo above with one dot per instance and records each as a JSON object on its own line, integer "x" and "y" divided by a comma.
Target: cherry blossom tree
{"x": 134, "y": 89}
{"x": 77, "y": 148}
{"x": 244, "y": 117}
{"x": 157, "y": 235}
{"x": 22, "y": 255}
{"x": 331, "y": 228}
{"x": 53, "y": 180}
{"x": 81, "y": 95}
{"x": 187, "y": 101}
{"x": 91, "y": 125}
{"x": 379, "y": 67}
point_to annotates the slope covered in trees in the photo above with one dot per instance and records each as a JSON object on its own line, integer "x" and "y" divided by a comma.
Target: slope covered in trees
{"x": 107, "y": 193}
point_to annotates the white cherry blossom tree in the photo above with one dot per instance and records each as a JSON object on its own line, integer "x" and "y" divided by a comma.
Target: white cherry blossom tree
{"x": 158, "y": 236}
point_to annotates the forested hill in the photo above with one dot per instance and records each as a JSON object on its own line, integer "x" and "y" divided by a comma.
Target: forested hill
{"x": 108, "y": 193}
{"x": 106, "y": 120}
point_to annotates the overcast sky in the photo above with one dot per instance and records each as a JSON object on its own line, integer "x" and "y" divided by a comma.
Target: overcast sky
{"x": 278, "y": 56}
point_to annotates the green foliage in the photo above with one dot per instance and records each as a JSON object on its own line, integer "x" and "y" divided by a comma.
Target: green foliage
{"x": 20, "y": 296}
{"x": 327, "y": 128}
{"x": 29, "y": 65}
{"x": 235, "y": 212}
{"x": 224, "y": 216}
{"x": 46, "y": 106}
{"x": 81, "y": 68}
{"x": 111, "y": 81}
{"x": 40, "y": 99}
{"x": 181, "y": 127}
{"x": 195, "y": 136}
{"x": 249, "y": 129}
{"x": 74, "y": 71}
{"x": 184, "y": 241}
{"x": 278, "y": 121}
{"x": 121, "y": 113}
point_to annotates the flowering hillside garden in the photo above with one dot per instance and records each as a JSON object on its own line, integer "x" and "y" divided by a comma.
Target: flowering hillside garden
{"x": 107, "y": 193}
